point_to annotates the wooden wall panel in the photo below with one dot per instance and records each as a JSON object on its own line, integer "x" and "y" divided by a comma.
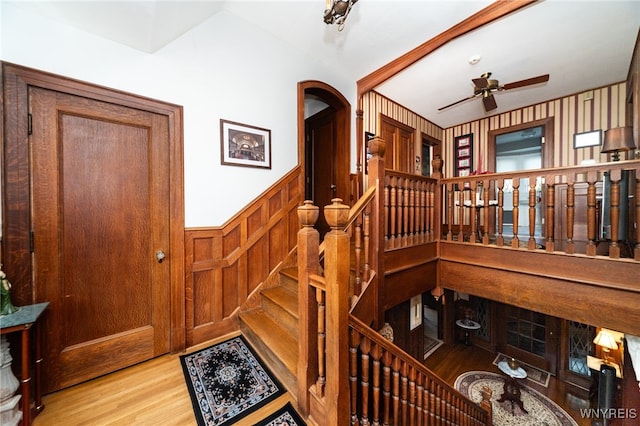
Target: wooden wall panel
{"x": 225, "y": 264}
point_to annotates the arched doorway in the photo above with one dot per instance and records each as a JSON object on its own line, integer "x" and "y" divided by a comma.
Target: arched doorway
{"x": 324, "y": 144}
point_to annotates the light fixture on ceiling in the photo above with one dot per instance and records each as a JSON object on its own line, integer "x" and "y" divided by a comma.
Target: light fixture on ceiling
{"x": 618, "y": 139}
{"x": 336, "y": 11}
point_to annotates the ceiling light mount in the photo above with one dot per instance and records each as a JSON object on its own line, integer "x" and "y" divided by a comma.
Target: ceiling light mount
{"x": 336, "y": 11}
{"x": 474, "y": 59}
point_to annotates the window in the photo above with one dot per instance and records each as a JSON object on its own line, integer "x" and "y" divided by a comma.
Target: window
{"x": 580, "y": 345}
{"x": 526, "y": 330}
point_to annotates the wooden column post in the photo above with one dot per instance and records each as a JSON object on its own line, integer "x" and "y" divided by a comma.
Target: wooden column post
{"x": 308, "y": 263}
{"x": 377, "y": 148}
{"x": 336, "y": 273}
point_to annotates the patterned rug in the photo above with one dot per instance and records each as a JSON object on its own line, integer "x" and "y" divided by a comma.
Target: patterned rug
{"x": 286, "y": 416}
{"x": 534, "y": 374}
{"x": 227, "y": 382}
{"x": 430, "y": 346}
{"x": 541, "y": 411}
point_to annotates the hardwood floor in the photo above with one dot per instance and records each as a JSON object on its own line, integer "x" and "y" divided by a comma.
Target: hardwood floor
{"x": 155, "y": 393}
{"x": 150, "y": 393}
{"x": 449, "y": 361}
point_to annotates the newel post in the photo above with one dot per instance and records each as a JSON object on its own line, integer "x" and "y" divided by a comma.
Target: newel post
{"x": 308, "y": 263}
{"x": 336, "y": 274}
{"x": 377, "y": 147}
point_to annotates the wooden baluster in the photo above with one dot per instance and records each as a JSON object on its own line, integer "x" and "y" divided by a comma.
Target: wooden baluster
{"x": 591, "y": 213}
{"x": 322, "y": 321}
{"x": 460, "y": 214}
{"x": 392, "y": 208}
{"x": 395, "y": 390}
{"x": 485, "y": 199}
{"x": 551, "y": 197}
{"x": 365, "y": 347}
{"x": 486, "y": 393}
{"x": 404, "y": 225}
{"x": 353, "y": 374}
{"x": 412, "y": 214}
{"x": 515, "y": 242}
{"x": 636, "y": 250}
{"x": 376, "y": 353}
{"x": 367, "y": 242}
{"x": 474, "y": 215}
{"x": 571, "y": 203}
{"x": 387, "y": 210}
{"x": 404, "y": 393}
{"x": 532, "y": 213}
{"x": 449, "y": 189}
{"x": 357, "y": 285}
{"x": 500, "y": 238}
{"x": 419, "y": 400}
{"x": 421, "y": 229}
{"x": 411, "y": 406}
{"x": 386, "y": 387}
{"x": 430, "y": 211}
{"x": 614, "y": 247}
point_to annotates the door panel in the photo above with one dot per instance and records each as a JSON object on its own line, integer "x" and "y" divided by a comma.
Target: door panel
{"x": 400, "y": 149}
{"x": 100, "y": 213}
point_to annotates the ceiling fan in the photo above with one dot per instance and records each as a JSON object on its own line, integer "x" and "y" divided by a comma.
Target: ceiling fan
{"x": 485, "y": 86}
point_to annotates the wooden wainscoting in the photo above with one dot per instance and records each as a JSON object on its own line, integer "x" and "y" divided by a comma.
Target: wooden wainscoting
{"x": 225, "y": 265}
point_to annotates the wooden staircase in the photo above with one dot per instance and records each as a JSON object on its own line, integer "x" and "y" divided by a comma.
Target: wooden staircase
{"x": 272, "y": 328}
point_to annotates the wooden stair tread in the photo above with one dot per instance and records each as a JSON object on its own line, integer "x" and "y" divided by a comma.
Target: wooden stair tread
{"x": 284, "y": 298}
{"x": 283, "y": 345}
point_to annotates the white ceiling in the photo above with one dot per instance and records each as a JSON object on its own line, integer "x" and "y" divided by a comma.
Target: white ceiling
{"x": 581, "y": 44}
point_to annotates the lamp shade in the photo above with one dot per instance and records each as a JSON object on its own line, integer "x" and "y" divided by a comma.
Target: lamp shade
{"x": 618, "y": 139}
{"x": 605, "y": 340}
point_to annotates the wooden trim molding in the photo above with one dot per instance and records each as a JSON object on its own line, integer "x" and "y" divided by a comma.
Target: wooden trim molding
{"x": 225, "y": 265}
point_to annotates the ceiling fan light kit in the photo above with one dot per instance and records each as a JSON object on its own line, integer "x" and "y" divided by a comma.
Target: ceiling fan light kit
{"x": 486, "y": 86}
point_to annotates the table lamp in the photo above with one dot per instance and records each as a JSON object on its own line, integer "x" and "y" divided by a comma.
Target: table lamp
{"x": 606, "y": 340}
{"x": 616, "y": 140}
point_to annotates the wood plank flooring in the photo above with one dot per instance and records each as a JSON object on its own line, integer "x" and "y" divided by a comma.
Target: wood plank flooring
{"x": 155, "y": 393}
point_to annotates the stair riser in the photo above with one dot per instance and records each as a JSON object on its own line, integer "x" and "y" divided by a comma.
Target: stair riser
{"x": 280, "y": 315}
{"x": 289, "y": 283}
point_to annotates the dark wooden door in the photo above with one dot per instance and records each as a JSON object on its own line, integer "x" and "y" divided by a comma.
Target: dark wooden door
{"x": 100, "y": 220}
{"x": 400, "y": 149}
{"x": 321, "y": 170}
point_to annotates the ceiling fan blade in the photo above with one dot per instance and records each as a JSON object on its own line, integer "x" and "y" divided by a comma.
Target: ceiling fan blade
{"x": 480, "y": 83}
{"x": 526, "y": 82}
{"x": 457, "y": 102}
{"x": 489, "y": 103}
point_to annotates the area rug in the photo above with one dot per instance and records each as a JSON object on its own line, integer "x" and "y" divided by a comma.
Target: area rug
{"x": 227, "y": 382}
{"x": 541, "y": 411}
{"x": 286, "y": 416}
{"x": 430, "y": 345}
{"x": 535, "y": 375}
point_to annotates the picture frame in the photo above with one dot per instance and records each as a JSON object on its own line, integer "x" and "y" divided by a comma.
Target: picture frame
{"x": 244, "y": 145}
{"x": 367, "y": 137}
{"x": 464, "y": 152}
{"x": 463, "y": 155}
{"x": 587, "y": 139}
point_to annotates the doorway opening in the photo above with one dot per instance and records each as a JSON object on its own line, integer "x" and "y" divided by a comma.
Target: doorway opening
{"x": 324, "y": 145}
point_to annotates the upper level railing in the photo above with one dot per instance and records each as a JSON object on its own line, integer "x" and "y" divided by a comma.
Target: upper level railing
{"x": 588, "y": 210}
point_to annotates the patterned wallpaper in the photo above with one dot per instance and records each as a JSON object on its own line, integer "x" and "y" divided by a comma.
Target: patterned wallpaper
{"x": 600, "y": 108}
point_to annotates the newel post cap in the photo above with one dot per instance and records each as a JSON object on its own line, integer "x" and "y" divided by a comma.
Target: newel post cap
{"x": 308, "y": 214}
{"x": 336, "y": 214}
{"x": 377, "y": 146}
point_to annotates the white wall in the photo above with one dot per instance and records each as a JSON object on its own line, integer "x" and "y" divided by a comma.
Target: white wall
{"x": 214, "y": 71}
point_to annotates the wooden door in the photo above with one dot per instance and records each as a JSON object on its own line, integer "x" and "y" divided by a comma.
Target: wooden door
{"x": 100, "y": 216}
{"x": 321, "y": 170}
{"x": 400, "y": 149}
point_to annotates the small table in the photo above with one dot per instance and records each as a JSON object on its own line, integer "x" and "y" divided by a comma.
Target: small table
{"x": 467, "y": 325}
{"x": 22, "y": 321}
{"x": 511, "y": 390}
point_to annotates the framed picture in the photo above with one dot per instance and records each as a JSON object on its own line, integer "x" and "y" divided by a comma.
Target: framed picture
{"x": 463, "y": 153}
{"x": 464, "y": 141}
{"x": 244, "y": 145}
{"x": 586, "y": 139}
{"x": 367, "y": 137}
{"x": 463, "y": 163}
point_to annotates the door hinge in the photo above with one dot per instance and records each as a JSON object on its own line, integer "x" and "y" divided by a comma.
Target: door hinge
{"x": 31, "y": 243}
{"x": 29, "y": 124}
